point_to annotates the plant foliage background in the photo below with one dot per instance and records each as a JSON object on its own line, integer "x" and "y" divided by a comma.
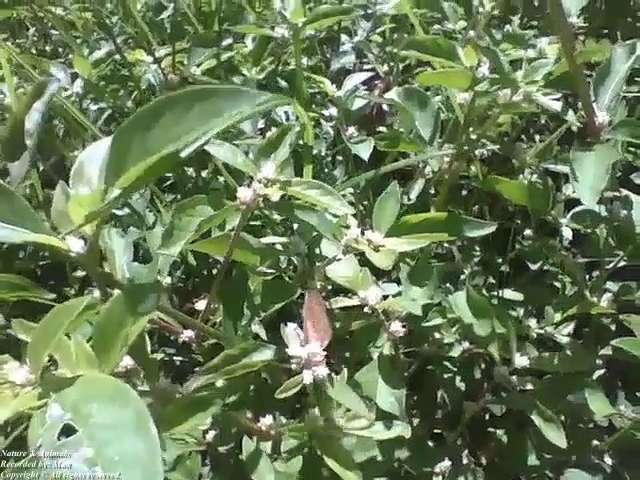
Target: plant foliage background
{"x": 457, "y": 179}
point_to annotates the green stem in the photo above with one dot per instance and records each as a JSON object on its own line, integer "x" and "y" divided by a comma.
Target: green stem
{"x": 567, "y": 43}
{"x": 212, "y": 298}
{"x": 392, "y": 167}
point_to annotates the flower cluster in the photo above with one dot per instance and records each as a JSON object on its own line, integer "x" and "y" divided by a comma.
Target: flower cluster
{"x": 310, "y": 357}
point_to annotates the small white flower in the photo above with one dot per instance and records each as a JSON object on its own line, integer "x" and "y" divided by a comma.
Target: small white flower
{"x": 375, "y": 238}
{"x": 566, "y": 234}
{"x": 281, "y": 31}
{"x": 266, "y": 423}
{"x": 267, "y": 171}
{"x": 353, "y": 232}
{"x": 18, "y": 373}
{"x": 371, "y": 296}
{"x": 307, "y": 376}
{"x": 210, "y": 435}
{"x": 463, "y": 97}
{"x": 484, "y": 69}
{"x": 310, "y": 357}
{"x": 521, "y": 360}
{"x": 602, "y": 118}
{"x": 200, "y": 304}
{"x": 76, "y": 245}
{"x": 55, "y": 413}
{"x": 442, "y": 467}
{"x": 504, "y": 95}
{"x": 126, "y": 364}
{"x": 607, "y": 300}
{"x": 246, "y": 196}
{"x": 351, "y": 131}
{"x": 397, "y": 329}
{"x": 187, "y": 336}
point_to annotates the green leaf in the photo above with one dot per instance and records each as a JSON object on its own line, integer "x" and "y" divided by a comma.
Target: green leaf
{"x": 121, "y": 321}
{"x": 290, "y": 387}
{"x": 15, "y": 287}
{"x": 572, "y": 8}
{"x": 384, "y": 430}
{"x": 256, "y": 461}
{"x": 432, "y": 48}
{"x": 292, "y": 9}
{"x": 549, "y": 425}
{"x": 386, "y": 209}
{"x": 628, "y": 344}
{"x": 319, "y": 194}
{"x": 422, "y": 109}
{"x": 452, "y": 224}
{"x": 361, "y": 147}
{"x": 573, "y": 358}
{"x": 82, "y": 65}
{"x": 626, "y": 130}
{"x": 408, "y": 243}
{"x": 455, "y": 78}
{"x": 231, "y": 155}
{"x": 575, "y": 474}
{"x": 50, "y": 329}
{"x": 474, "y": 309}
{"x": 537, "y": 198}
{"x": 19, "y": 223}
{"x": 324, "y": 16}
{"x": 611, "y": 76}
{"x": 382, "y": 381}
{"x": 344, "y": 394}
{"x": 244, "y": 358}
{"x": 247, "y": 249}
{"x": 598, "y": 401}
{"x": 113, "y": 422}
{"x": 348, "y": 273}
{"x": 13, "y": 403}
{"x": 590, "y": 172}
{"x": 174, "y": 122}
{"x": 338, "y": 458}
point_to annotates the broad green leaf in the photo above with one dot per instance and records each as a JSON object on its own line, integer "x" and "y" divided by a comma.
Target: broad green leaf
{"x": 549, "y": 425}
{"x": 611, "y": 76}
{"x": 121, "y": 321}
{"x": 324, "y": 16}
{"x": 113, "y": 422}
{"x": 455, "y": 78}
{"x": 386, "y": 208}
{"x": 82, "y": 65}
{"x": 432, "y": 48}
{"x": 348, "y": 273}
{"x": 576, "y": 474}
{"x": 572, "y": 8}
{"x": 422, "y": 109}
{"x": 256, "y": 461}
{"x": 573, "y": 358}
{"x": 276, "y": 148}
{"x": 383, "y": 382}
{"x": 15, "y": 287}
{"x": 174, "y": 122}
{"x": 383, "y": 430}
{"x": 383, "y": 258}
{"x": 342, "y": 393}
{"x": 474, "y": 310}
{"x": 247, "y": 249}
{"x": 231, "y": 155}
{"x": 590, "y": 172}
{"x": 50, "y": 329}
{"x": 86, "y": 180}
{"x": 537, "y": 198}
{"x": 186, "y": 219}
{"x": 628, "y": 344}
{"x": 452, "y": 224}
{"x": 408, "y": 243}
{"x": 13, "y": 403}
{"x": 318, "y": 194}
{"x": 361, "y": 147}
{"x": 244, "y": 358}
{"x": 626, "y": 130}
{"x": 598, "y": 401}
{"x": 19, "y": 223}
{"x": 290, "y": 387}
{"x": 292, "y": 9}
{"x": 336, "y": 456}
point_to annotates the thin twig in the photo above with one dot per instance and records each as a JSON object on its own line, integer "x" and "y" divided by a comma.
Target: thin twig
{"x": 212, "y": 298}
{"x": 568, "y": 45}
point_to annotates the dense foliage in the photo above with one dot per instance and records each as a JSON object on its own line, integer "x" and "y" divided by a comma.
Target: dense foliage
{"x": 278, "y": 240}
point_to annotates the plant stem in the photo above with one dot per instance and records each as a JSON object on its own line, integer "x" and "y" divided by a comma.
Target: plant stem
{"x": 392, "y": 167}
{"x": 567, "y": 43}
{"x": 212, "y": 298}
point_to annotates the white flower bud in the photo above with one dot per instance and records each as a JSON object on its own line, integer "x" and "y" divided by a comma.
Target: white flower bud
{"x": 200, "y": 304}
{"x": 187, "y": 336}
{"x": 266, "y": 423}
{"x": 76, "y": 245}
{"x": 246, "y": 196}
{"x": 210, "y": 435}
{"x": 371, "y": 296}
{"x": 397, "y": 329}
{"x": 267, "y": 171}
{"x": 126, "y": 364}
{"x": 373, "y": 237}
{"x": 521, "y": 361}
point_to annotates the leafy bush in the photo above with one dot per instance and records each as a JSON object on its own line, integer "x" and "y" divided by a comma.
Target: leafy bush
{"x": 377, "y": 239}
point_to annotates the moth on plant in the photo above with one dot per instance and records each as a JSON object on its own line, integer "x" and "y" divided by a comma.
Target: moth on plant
{"x": 306, "y": 346}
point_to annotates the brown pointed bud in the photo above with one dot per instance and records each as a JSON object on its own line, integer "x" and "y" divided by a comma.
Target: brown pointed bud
{"x": 317, "y": 326}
